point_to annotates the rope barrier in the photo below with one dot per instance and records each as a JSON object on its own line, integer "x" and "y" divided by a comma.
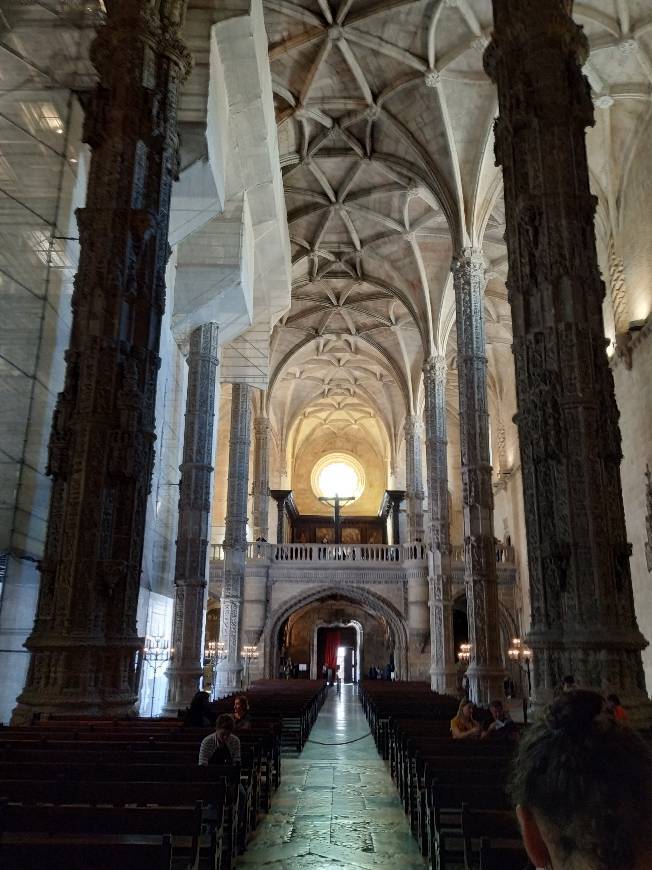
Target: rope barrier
{"x": 346, "y": 742}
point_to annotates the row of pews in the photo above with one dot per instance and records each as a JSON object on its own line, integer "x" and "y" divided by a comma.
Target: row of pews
{"x": 90, "y": 794}
{"x": 454, "y": 792}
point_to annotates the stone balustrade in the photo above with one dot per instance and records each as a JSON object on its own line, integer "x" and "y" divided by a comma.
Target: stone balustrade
{"x": 320, "y": 554}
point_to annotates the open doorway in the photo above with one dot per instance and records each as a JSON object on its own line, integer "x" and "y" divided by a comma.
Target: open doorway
{"x": 338, "y": 645}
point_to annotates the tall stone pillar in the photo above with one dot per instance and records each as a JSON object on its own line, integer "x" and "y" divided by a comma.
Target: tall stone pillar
{"x": 443, "y": 674}
{"x": 414, "y": 480}
{"x": 583, "y": 619}
{"x": 84, "y": 646}
{"x": 281, "y": 497}
{"x": 229, "y": 670}
{"x": 261, "y": 478}
{"x": 485, "y": 670}
{"x": 193, "y": 538}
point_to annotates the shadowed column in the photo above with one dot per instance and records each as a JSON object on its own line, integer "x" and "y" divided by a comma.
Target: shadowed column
{"x": 84, "y": 646}
{"x": 583, "y": 619}
{"x": 195, "y": 490}
{"x": 229, "y": 671}
{"x": 485, "y": 672}
{"x": 443, "y": 674}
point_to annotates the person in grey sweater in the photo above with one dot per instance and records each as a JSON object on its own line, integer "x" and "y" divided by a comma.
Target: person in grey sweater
{"x": 221, "y": 747}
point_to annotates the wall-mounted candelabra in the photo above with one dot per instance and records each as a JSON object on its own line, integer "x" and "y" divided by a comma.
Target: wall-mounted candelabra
{"x": 249, "y": 654}
{"x": 521, "y": 655}
{"x": 156, "y": 654}
{"x": 214, "y": 652}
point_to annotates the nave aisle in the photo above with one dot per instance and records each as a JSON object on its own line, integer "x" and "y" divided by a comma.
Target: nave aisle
{"x": 337, "y": 806}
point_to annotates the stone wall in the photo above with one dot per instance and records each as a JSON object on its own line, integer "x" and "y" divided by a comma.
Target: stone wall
{"x": 361, "y": 449}
{"x": 634, "y": 397}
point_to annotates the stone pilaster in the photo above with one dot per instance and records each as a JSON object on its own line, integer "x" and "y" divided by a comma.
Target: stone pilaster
{"x": 84, "y": 646}
{"x": 583, "y": 619}
{"x": 261, "y": 478}
{"x": 413, "y": 477}
{"x": 195, "y": 490}
{"x": 485, "y": 670}
{"x": 229, "y": 671}
{"x": 443, "y": 674}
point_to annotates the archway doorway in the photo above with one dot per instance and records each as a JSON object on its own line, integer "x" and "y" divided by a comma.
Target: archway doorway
{"x": 292, "y": 641}
{"x": 337, "y": 647}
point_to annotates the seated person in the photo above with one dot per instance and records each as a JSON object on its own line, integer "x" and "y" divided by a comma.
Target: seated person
{"x": 582, "y": 785}
{"x": 199, "y": 714}
{"x": 464, "y": 726}
{"x": 241, "y": 715}
{"x": 222, "y": 746}
{"x": 501, "y": 724}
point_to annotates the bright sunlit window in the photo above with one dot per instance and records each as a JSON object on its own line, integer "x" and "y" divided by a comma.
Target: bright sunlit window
{"x": 337, "y": 479}
{"x": 337, "y": 474}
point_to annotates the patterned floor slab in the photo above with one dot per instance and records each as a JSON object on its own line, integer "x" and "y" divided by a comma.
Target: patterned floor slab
{"x": 337, "y": 805}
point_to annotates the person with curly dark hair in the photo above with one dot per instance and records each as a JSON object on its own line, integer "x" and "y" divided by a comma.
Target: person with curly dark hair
{"x": 582, "y": 786}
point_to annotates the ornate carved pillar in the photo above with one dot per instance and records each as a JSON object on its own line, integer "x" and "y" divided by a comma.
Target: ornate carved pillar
{"x": 443, "y": 674}
{"x": 414, "y": 480}
{"x": 229, "y": 671}
{"x": 280, "y": 496}
{"x": 195, "y": 490}
{"x": 261, "y": 478}
{"x": 396, "y": 499}
{"x": 84, "y": 646}
{"x": 485, "y": 670}
{"x": 583, "y": 619}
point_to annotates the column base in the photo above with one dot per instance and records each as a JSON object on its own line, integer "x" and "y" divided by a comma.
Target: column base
{"x": 183, "y": 684}
{"x": 25, "y": 712}
{"x": 444, "y": 681}
{"x": 228, "y": 678}
{"x": 486, "y": 684}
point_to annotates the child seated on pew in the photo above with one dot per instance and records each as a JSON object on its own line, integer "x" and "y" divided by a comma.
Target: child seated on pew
{"x": 464, "y": 726}
{"x": 582, "y": 785}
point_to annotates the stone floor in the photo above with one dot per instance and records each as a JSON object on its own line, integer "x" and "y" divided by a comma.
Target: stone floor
{"x": 337, "y": 806}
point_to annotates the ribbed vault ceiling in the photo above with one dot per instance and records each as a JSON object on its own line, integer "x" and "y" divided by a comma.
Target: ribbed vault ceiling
{"x": 385, "y": 132}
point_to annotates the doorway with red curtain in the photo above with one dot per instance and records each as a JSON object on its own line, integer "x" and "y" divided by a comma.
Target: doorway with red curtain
{"x": 330, "y": 640}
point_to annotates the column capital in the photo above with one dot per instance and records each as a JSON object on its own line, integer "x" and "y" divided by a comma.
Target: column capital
{"x": 471, "y": 260}
{"x": 435, "y": 369}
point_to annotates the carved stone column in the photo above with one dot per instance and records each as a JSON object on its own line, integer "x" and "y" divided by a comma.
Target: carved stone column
{"x": 583, "y": 619}
{"x": 229, "y": 671}
{"x": 396, "y": 499}
{"x": 280, "y": 496}
{"x": 261, "y": 478}
{"x": 84, "y": 646}
{"x": 485, "y": 670}
{"x": 414, "y": 480}
{"x": 443, "y": 674}
{"x": 195, "y": 490}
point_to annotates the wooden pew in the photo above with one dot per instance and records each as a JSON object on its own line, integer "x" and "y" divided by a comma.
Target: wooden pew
{"x": 82, "y": 852}
{"x": 182, "y": 824}
{"x": 502, "y": 856}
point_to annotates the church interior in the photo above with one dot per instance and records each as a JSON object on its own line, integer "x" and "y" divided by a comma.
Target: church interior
{"x": 325, "y": 363}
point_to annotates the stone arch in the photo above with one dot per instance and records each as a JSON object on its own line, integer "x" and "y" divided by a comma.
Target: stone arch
{"x": 506, "y": 622}
{"x": 376, "y": 605}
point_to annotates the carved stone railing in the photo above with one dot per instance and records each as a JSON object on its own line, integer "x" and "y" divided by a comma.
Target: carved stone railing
{"x": 323, "y": 554}
{"x": 505, "y": 555}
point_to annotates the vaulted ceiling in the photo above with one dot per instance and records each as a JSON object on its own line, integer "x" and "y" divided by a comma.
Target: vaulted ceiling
{"x": 385, "y": 126}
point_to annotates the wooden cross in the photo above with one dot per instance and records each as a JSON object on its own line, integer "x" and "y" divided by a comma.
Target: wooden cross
{"x": 337, "y": 502}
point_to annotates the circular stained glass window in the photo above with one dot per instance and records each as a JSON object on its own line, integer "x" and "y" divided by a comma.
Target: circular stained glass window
{"x": 338, "y": 474}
